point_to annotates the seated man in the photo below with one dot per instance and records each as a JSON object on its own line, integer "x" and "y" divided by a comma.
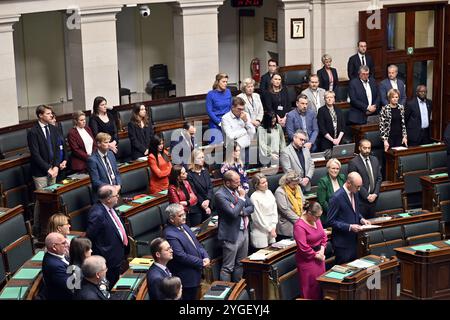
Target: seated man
{"x": 162, "y": 253}
{"x": 364, "y": 98}
{"x": 54, "y": 268}
{"x": 94, "y": 275}
{"x": 305, "y": 119}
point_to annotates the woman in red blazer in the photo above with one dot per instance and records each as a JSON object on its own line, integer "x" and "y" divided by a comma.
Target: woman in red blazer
{"x": 180, "y": 191}
{"x": 81, "y": 142}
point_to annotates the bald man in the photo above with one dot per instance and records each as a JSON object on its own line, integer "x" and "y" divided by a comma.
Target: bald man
{"x": 345, "y": 219}
{"x": 54, "y": 267}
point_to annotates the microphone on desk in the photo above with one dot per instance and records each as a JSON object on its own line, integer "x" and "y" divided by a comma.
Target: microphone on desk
{"x": 384, "y": 240}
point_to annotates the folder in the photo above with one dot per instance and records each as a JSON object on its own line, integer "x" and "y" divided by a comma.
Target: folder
{"x": 27, "y": 274}
{"x": 127, "y": 283}
{"x": 124, "y": 208}
{"x": 13, "y": 293}
{"x": 143, "y": 199}
{"x": 38, "y": 257}
{"x": 337, "y": 275}
{"x": 216, "y": 294}
{"x": 424, "y": 247}
{"x": 53, "y": 187}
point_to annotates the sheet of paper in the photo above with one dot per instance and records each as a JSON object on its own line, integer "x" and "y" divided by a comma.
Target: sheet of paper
{"x": 424, "y": 247}
{"x": 400, "y": 148}
{"x": 257, "y": 256}
{"x": 143, "y": 199}
{"x": 361, "y": 264}
{"x": 124, "y": 208}
{"x": 370, "y": 226}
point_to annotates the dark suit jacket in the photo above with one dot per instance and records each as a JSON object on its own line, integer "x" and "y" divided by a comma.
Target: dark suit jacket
{"x": 324, "y": 79}
{"x": 357, "y": 165}
{"x": 154, "y": 277}
{"x": 139, "y": 139}
{"x": 79, "y": 156}
{"x": 40, "y": 160}
{"x": 354, "y": 63}
{"x": 271, "y": 102}
{"x": 414, "y": 120}
{"x": 386, "y": 85}
{"x": 89, "y": 291}
{"x": 98, "y": 171}
{"x": 265, "y": 82}
{"x": 105, "y": 237}
{"x": 359, "y": 102}
{"x": 230, "y": 213}
{"x": 181, "y": 144}
{"x": 55, "y": 278}
{"x": 326, "y": 126}
{"x": 187, "y": 262}
{"x": 340, "y": 217}
{"x": 202, "y": 186}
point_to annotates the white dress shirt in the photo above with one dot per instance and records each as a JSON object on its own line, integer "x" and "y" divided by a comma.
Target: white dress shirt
{"x": 423, "y": 113}
{"x": 366, "y": 86}
{"x": 87, "y": 140}
{"x": 235, "y": 129}
{"x": 394, "y": 84}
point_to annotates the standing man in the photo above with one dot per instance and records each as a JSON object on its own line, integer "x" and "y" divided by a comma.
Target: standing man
{"x": 182, "y": 143}
{"x": 418, "y": 118}
{"x": 107, "y": 233}
{"x": 189, "y": 256}
{"x": 345, "y": 219}
{"x": 305, "y": 119}
{"x": 235, "y": 209}
{"x": 162, "y": 253}
{"x": 272, "y": 67}
{"x": 296, "y": 157}
{"x": 102, "y": 165}
{"x": 361, "y": 58}
{"x": 364, "y": 98}
{"x": 315, "y": 95}
{"x": 392, "y": 82}
{"x": 369, "y": 169}
{"x": 94, "y": 274}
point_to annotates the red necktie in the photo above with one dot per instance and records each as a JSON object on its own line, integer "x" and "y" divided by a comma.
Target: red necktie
{"x": 352, "y": 197}
{"x": 119, "y": 224}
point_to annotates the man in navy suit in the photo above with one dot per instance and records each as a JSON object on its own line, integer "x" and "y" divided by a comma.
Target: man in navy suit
{"x": 272, "y": 68}
{"x": 303, "y": 118}
{"x": 392, "y": 82}
{"x": 361, "y": 58}
{"x": 364, "y": 98}
{"x": 54, "y": 267}
{"x": 102, "y": 165}
{"x": 234, "y": 207}
{"x": 418, "y": 118}
{"x": 107, "y": 233}
{"x": 189, "y": 256}
{"x": 162, "y": 253}
{"x": 345, "y": 219}
{"x": 94, "y": 272}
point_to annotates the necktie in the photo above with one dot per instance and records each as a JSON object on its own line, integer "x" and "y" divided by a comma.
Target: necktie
{"x": 49, "y": 141}
{"x": 370, "y": 173}
{"x": 187, "y": 236}
{"x": 352, "y": 197}
{"x": 119, "y": 224}
{"x": 110, "y": 173}
{"x": 363, "y": 61}
{"x": 168, "y": 272}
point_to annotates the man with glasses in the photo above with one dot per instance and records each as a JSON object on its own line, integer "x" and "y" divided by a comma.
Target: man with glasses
{"x": 94, "y": 272}
{"x": 272, "y": 68}
{"x": 162, "y": 253}
{"x": 345, "y": 219}
{"x": 107, "y": 233}
{"x": 54, "y": 267}
{"x": 296, "y": 157}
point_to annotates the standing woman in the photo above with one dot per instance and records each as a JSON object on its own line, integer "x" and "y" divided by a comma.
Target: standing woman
{"x": 392, "y": 122}
{"x": 180, "y": 191}
{"x": 253, "y": 104}
{"x": 331, "y": 123}
{"x": 235, "y": 163}
{"x": 276, "y": 99}
{"x": 265, "y": 217}
{"x": 311, "y": 242}
{"x": 81, "y": 142}
{"x": 140, "y": 131}
{"x": 271, "y": 140}
{"x": 200, "y": 180}
{"x": 159, "y": 163}
{"x": 328, "y": 77}
{"x": 103, "y": 121}
{"x": 218, "y": 102}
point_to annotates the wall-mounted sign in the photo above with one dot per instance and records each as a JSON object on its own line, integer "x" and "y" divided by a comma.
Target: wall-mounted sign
{"x": 270, "y": 29}
{"x": 410, "y": 50}
{"x": 246, "y": 3}
{"x": 297, "y": 28}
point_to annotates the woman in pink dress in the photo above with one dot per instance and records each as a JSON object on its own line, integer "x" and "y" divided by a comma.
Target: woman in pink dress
{"x": 311, "y": 242}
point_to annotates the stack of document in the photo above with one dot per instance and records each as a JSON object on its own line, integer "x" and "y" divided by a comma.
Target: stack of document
{"x": 283, "y": 243}
{"x": 141, "y": 262}
{"x": 361, "y": 264}
{"x": 260, "y": 255}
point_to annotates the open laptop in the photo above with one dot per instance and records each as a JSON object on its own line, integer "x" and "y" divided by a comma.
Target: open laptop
{"x": 343, "y": 150}
{"x": 202, "y": 228}
{"x": 317, "y": 156}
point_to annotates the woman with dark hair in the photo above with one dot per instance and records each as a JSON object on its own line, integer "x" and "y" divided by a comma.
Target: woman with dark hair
{"x": 103, "y": 121}
{"x": 276, "y": 99}
{"x": 180, "y": 191}
{"x": 218, "y": 102}
{"x": 171, "y": 288}
{"x": 234, "y": 162}
{"x": 271, "y": 140}
{"x": 140, "y": 131}
{"x": 159, "y": 163}
{"x": 80, "y": 249}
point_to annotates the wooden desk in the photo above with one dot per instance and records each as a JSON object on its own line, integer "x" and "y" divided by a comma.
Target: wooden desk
{"x": 140, "y": 290}
{"x": 236, "y": 288}
{"x": 359, "y": 131}
{"x": 425, "y": 274}
{"x": 362, "y": 285}
{"x": 429, "y": 199}
{"x": 258, "y": 273}
{"x": 14, "y": 161}
{"x": 392, "y": 161}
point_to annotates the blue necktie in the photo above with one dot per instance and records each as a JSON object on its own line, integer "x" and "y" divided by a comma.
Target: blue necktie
{"x": 49, "y": 142}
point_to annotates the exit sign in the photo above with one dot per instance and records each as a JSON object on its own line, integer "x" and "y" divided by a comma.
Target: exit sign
{"x": 246, "y": 3}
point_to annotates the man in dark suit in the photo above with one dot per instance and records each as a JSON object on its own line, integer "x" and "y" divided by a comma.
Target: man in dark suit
{"x": 361, "y": 58}
{"x": 392, "y": 82}
{"x": 234, "y": 208}
{"x": 54, "y": 268}
{"x": 102, "y": 165}
{"x": 418, "y": 118}
{"x": 364, "y": 98}
{"x": 182, "y": 144}
{"x": 345, "y": 219}
{"x": 189, "y": 256}
{"x": 107, "y": 233}
{"x": 272, "y": 67}
{"x": 94, "y": 273}
{"x": 162, "y": 253}
{"x": 369, "y": 169}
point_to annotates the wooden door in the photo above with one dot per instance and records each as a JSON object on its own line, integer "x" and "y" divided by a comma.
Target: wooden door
{"x": 446, "y": 72}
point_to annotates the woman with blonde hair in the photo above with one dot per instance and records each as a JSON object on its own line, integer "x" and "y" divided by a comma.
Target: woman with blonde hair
{"x": 81, "y": 142}
{"x": 218, "y": 102}
{"x": 253, "y": 104}
{"x": 392, "y": 122}
{"x": 60, "y": 223}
